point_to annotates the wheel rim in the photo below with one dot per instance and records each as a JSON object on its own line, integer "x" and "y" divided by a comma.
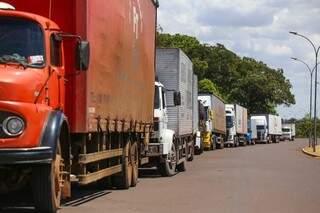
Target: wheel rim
{"x": 172, "y": 157}
{"x": 129, "y": 168}
{"x": 58, "y": 176}
{"x": 134, "y": 160}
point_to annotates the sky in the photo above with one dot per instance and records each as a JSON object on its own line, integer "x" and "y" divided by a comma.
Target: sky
{"x": 258, "y": 29}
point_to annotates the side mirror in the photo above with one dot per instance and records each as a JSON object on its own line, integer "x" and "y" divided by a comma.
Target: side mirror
{"x": 82, "y": 55}
{"x": 177, "y": 98}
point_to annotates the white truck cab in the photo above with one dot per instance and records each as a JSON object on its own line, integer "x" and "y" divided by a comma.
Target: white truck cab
{"x": 288, "y": 132}
{"x": 162, "y": 136}
{"x": 231, "y": 124}
{"x": 259, "y": 123}
{"x": 163, "y": 149}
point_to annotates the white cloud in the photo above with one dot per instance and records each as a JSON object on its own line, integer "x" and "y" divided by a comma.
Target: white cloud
{"x": 253, "y": 28}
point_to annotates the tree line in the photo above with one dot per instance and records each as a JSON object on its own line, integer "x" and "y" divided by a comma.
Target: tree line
{"x": 241, "y": 80}
{"x": 304, "y": 125}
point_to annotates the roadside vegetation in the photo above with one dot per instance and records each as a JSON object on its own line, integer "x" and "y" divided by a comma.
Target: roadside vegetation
{"x": 236, "y": 79}
{"x": 304, "y": 125}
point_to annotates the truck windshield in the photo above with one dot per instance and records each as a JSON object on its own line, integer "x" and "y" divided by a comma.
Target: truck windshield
{"x": 21, "y": 41}
{"x": 286, "y": 130}
{"x": 229, "y": 121}
{"x": 260, "y": 127}
{"x": 156, "y": 98}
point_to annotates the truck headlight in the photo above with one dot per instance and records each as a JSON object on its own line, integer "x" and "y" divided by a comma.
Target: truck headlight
{"x": 13, "y": 126}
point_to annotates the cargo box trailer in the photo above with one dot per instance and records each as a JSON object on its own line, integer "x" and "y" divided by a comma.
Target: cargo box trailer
{"x": 236, "y": 123}
{"x": 72, "y": 118}
{"x": 215, "y": 134}
{"x": 269, "y": 127}
{"x": 174, "y": 71}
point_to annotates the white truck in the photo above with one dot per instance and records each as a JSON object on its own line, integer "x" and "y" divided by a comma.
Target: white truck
{"x": 269, "y": 127}
{"x": 215, "y": 121}
{"x": 172, "y": 142}
{"x": 198, "y": 146}
{"x": 236, "y": 123}
{"x": 288, "y": 131}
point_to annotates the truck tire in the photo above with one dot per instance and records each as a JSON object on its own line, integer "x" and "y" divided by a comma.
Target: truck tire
{"x": 213, "y": 145}
{"x": 200, "y": 150}
{"x": 135, "y": 163}
{"x": 124, "y": 179}
{"x": 191, "y": 151}
{"x": 168, "y": 167}
{"x": 46, "y": 184}
{"x": 182, "y": 167}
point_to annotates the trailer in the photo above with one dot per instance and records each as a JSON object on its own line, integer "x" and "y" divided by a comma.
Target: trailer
{"x": 269, "y": 127}
{"x": 82, "y": 87}
{"x": 175, "y": 137}
{"x": 236, "y": 123}
{"x": 215, "y": 134}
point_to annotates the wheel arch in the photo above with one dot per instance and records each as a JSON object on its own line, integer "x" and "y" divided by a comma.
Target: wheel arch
{"x": 168, "y": 138}
{"x": 57, "y": 128}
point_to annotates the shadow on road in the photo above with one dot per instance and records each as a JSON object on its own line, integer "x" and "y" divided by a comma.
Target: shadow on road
{"x": 146, "y": 173}
{"x": 21, "y": 201}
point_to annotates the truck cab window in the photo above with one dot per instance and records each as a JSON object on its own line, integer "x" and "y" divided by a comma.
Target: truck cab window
{"x": 21, "y": 41}
{"x": 229, "y": 121}
{"x": 156, "y": 98}
{"x": 56, "y": 57}
{"x": 163, "y": 99}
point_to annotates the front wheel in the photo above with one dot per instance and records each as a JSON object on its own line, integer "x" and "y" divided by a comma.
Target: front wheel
{"x": 47, "y": 184}
{"x": 182, "y": 167}
{"x": 168, "y": 167}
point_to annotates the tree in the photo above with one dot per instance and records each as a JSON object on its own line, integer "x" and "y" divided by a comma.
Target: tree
{"x": 304, "y": 125}
{"x": 207, "y": 86}
{"x": 238, "y": 80}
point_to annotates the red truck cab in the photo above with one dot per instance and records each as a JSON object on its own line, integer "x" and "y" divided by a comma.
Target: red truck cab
{"x": 33, "y": 126}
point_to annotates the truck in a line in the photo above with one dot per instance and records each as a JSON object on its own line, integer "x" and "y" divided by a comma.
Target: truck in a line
{"x": 288, "y": 132}
{"x": 202, "y": 115}
{"x": 196, "y": 122}
{"x": 236, "y": 123}
{"x": 172, "y": 143}
{"x": 62, "y": 116}
{"x": 268, "y": 127}
{"x": 215, "y": 133}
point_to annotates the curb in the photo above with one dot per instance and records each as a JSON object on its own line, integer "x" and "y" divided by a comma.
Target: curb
{"x": 312, "y": 154}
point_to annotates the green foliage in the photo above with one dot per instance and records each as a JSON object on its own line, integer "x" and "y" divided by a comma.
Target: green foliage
{"x": 207, "y": 86}
{"x": 244, "y": 81}
{"x": 304, "y": 125}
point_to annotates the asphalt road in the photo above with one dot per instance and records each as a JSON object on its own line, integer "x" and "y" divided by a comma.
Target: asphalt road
{"x": 261, "y": 178}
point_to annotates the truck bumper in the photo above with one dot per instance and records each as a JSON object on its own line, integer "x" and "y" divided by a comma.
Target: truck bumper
{"x": 38, "y": 155}
{"x": 229, "y": 142}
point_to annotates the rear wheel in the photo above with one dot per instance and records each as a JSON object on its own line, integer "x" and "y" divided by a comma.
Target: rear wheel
{"x": 135, "y": 163}
{"x": 191, "y": 152}
{"x": 124, "y": 179}
{"x": 168, "y": 167}
{"x": 182, "y": 167}
{"x": 213, "y": 143}
{"x": 47, "y": 184}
